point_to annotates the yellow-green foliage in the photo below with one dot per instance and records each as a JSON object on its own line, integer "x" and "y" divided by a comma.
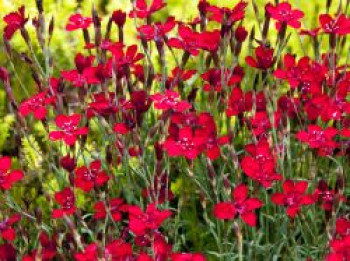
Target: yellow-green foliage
{"x": 31, "y": 155}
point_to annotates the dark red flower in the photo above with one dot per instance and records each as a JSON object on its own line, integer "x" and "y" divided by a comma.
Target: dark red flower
{"x": 264, "y": 58}
{"x": 77, "y": 21}
{"x": 88, "y": 178}
{"x": 260, "y": 123}
{"x": 293, "y": 197}
{"x": 7, "y": 232}
{"x": 66, "y": 200}
{"x": 143, "y": 11}
{"x": 90, "y": 253}
{"x": 326, "y": 196}
{"x": 141, "y": 223}
{"x": 213, "y": 78}
{"x": 320, "y": 139}
{"x": 239, "y": 102}
{"x": 312, "y": 32}
{"x": 178, "y": 75}
{"x": 37, "y": 105}
{"x": 241, "y": 34}
{"x": 260, "y": 166}
{"x": 69, "y": 129}
{"x": 47, "y": 248}
{"x": 116, "y": 207}
{"x": 4, "y": 75}
{"x": 187, "y": 257}
{"x": 169, "y": 100}
{"x": 284, "y": 14}
{"x": 219, "y": 14}
{"x": 339, "y": 25}
{"x": 68, "y": 163}
{"x": 160, "y": 190}
{"x": 8, "y": 177}
{"x": 119, "y": 18}
{"x": 241, "y": 205}
{"x": 102, "y": 104}
{"x": 8, "y": 252}
{"x": 14, "y": 21}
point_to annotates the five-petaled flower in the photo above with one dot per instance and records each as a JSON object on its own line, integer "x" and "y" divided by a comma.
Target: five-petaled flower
{"x": 284, "y": 14}
{"x": 36, "y": 105}
{"x": 264, "y": 58}
{"x": 141, "y": 223}
{"x": 293, "y": 197}
{"x": 66, "y": 200}
{"x": 8, "y": 177}
{"x": 14, "y": 21}
{"x": 69, "y": 129}
{"x": 241, "y": 205}
{"x": 88, "y": 178}
{"x": 169, "y": 100}
{"x": 143, "y": 11}
{"x": 339, "y": 25}
{"x": 77, "y": 21}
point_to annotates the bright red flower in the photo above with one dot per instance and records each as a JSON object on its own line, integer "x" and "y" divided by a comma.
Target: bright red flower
{"x": 320, "y": 139}
{"x": 293, "y": 197}
{"x": 116, "y": 207}
{"x": 90, "y": 253}
{"x": 239, "y": 102}
{"x": 192, "y": 42}
{"x": 312, "y": 32}
{"x": 88, "y": 178}
{"x": 8, "y": 177}
{"x": 84, "y": 74}
{"x": 69, "y": 129}
{"x": 185, "y": 143}
{"x": 156, "y": 31}
{"x": 14, "y": 21}
{"x": 77, "y": 21}
{"x": 264, "y": 58}
{"x": 343, "y": 227}
{"x": 241, "y": 205}
{"x": 130, "y": 57}
{"x": 102, "y": 104}
{"x": 260, "y": 166}
{"x": 141, "y": 223}
{"x": 339, "y": 25}
{"x": 66, "y": 200}
{"x": 340, "y": 249}
{"x": 233, "y": 15}
{"x": 7, "y": 232}
{"x": 143, "y": 11}
{"x": 187, "y": 257}
{"x": 118, "y": 250}
{"x": 36, "y": 105}
{"x": 169, "y": 100}
{"x": 260, "y": 123}
{"x": 284, "y": 14}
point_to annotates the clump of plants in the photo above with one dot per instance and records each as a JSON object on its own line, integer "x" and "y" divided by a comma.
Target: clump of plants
{"x": 180, "y": 146}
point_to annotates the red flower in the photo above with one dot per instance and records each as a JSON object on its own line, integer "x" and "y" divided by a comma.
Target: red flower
{"x": 119, "y": 18}
{"x": 264, "y": 58}
{"x": 36, "y": 105}
{"x": 6, "y": 230}
{"x": 340, "y": 249}
{"x": 90, "y": 253}
{"x": 143, "y": 11}
{"x": 116, "y": 208}
{"x": 187, "y": 257}
{"x": 140, "y": 223}
{"x": 284, "y": 14}
{"x": 47, "y": 248}
{"x": 326, "y": 196}
{"x": 69, "y": 129}
{"x": 312, "y": 32}
{"x": 213, "y": 78}
{"x": 178, "y": 75}
{"x": 320, "y": 139}
{"x": 84, "y": 73}
{"x": 77, "y": 21}
{"x": 130, "y": 57}
{"x": 260, "y": 124}
{"x": 66, "y": 200}
{"x": 185, "y": 143}
{"x": 239, "y": 102}
{"x": 241, "y": 205}
{"x": 14, "y": 21}
{"x": 231, "y": 15}
{"x": 7, "y": 252}
{"x": 7, "y": 177}
{"x": 87, "y": 179}
{"x": 102, "y": 104}
{"x": 118, "y": 250}
{"x": 169, "y": 100}
{"x": 343, "y": 227}
{"x": 192, "y": 42}
{"x": 156, "y": 31}
{"x": 260, "y": 166}
{"x": 339, "y": 25}
{"x": 293, "y": 197}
